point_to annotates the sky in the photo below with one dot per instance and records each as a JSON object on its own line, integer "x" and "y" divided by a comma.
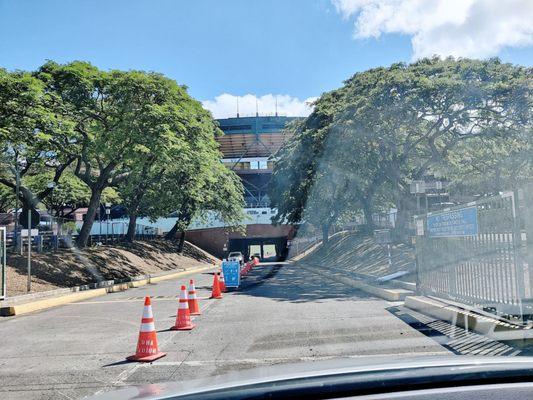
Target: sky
{"x": 264, "y": 52}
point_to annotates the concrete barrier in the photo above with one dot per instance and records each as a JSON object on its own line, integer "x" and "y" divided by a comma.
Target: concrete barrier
{"x": 389, "y": 294}
{"x": 491, "y": 327}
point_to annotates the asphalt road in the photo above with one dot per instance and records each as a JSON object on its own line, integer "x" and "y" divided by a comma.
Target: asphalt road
{"x": 281, "y": 314}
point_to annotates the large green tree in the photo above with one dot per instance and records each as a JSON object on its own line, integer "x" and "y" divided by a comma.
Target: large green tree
{"x": 389, "y": 126}
{"x": 121, "y": 118}
{"x": 33, "y": 128}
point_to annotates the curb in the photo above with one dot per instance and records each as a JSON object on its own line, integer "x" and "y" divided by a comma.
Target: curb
{"x": 25, "y": 308}
{"x": 386, "y": 294}
{"x": 493, "y": 328}
{"x": 84, "y": 292}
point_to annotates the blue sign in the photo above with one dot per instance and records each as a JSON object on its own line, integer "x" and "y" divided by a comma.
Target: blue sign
{"x": 455, "y": 223}
{"x": 232, "y": 273}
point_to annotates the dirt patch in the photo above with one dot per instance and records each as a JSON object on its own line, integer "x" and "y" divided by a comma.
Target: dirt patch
{"x": 72, "y": 267}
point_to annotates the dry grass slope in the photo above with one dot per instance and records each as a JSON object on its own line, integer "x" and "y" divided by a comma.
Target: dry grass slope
{"x": 77, "y": 267}
{"x": 359, "y": 254}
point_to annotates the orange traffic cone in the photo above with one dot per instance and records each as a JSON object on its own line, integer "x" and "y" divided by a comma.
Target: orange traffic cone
{"x": 147, "y": 349}
{"x": 183, "y": 319}
{"x": 216, "y": 293}
{"x": 194, "y": 307}
{"x": 221, "y": 282}
{"x": 255, "y": 261}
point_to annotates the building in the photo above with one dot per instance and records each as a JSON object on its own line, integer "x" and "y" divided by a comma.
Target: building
{"x": 248, "y": 147}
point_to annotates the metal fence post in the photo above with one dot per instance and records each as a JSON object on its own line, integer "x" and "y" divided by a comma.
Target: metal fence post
{"x": 526, "y": 214}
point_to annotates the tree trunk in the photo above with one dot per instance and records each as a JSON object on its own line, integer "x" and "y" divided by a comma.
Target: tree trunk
{"x": 404, "y": 205}
{"x": 171, "y": 234}
{"x": 181, "y": 242}
{"x": 130, "y": 235}
{"x": 325, "y": 233}
{"x": 367, "y": 211}
{"x": 94, "y": 203}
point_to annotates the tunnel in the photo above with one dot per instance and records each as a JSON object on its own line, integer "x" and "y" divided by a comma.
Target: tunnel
{"x": 269, "y": 248}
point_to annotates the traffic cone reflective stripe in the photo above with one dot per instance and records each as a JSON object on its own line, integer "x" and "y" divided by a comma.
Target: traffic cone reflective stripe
{"x": 183, "y": 319}
{"x": 216, "y": 293}
{"x": 147, "y": 348}
{"x": 194, "y": 307}
{"x": 222, "y": 282}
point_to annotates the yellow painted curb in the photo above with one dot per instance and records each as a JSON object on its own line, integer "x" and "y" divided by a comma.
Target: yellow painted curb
{"x": 174, "y": 275}
{"x": 25, "y": 308}
{"x": 180, "y": 274}
{"x": 118, "y": 287}
{"x": 139, "y": 283}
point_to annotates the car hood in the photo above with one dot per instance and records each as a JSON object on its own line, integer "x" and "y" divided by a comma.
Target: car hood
{"x": 353, "y": 366}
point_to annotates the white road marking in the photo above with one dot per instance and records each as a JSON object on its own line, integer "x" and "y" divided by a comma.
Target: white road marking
{"x": 124, "y": 375}
{"x": 268, "y": 361}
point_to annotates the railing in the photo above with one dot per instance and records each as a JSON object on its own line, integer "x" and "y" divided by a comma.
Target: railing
{"x": 300, "y": 244}
{"x": 48, "y": 240}
{"x": 477, "y": 254}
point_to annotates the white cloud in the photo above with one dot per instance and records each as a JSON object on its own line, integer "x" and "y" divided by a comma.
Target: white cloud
{"x": 460, "y": 28}
{"x": 225, "y": 105}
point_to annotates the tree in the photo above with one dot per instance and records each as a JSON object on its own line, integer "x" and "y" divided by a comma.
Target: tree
{"x": 120, "y": 117}
{"x": 68, "y": 193}
{"x": 390, "y": 126}
{"x": 181, "y": 177}
{"x": 199, "y": 187}
{"x": 7, "y": 199}
{"x": 31, "y": 126}
{"x": 489, "y": 165}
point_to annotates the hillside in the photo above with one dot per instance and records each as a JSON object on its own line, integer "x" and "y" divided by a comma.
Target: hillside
{"x": 361, "y": 255}
{"x": 74, "y": 267}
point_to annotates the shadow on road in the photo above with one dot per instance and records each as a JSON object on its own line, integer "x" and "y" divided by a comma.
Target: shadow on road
{"x": 292, "y": 283}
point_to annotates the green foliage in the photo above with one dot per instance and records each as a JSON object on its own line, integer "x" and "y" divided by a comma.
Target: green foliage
{"x": 110, "y": 136}
{"x": 68, "y": 192}
{"x": 32, "y": 126}
{"x": 129, "y": 126}
{"x": 7, "y": 199}
{"x": 366, "y": 142}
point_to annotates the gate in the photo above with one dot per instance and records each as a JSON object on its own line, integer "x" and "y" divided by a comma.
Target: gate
{"x": 3, "y": 283}
{"x": 477, "y": 254}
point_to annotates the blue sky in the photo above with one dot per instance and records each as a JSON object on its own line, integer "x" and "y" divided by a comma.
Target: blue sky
{"x": 296, "y": 48}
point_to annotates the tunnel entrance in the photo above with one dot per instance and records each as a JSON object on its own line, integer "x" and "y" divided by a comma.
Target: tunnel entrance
{"x": 269, "y": 249}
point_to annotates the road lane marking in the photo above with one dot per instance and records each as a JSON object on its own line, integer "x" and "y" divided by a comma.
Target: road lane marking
{"x": 264, "y": 361}
{"x": 132, "y": 299}
{"x": 124, "y": 375}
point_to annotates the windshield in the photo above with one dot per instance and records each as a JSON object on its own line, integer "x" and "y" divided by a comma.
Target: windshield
{"x": 190, "y": 189}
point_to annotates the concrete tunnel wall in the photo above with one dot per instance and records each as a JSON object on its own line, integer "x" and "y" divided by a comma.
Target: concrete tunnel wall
{"x": 213, "y": 240}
